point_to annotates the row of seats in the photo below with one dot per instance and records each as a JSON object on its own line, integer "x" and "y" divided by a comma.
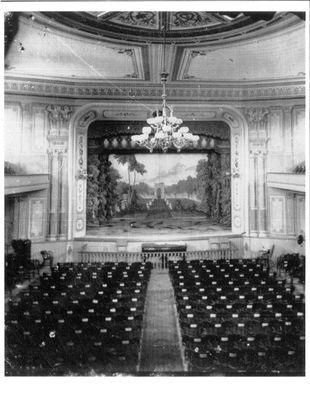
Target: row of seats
{"x": 294, "y": 265}
{"x": 237, "y": 318}
{"x": 78, "y": 318}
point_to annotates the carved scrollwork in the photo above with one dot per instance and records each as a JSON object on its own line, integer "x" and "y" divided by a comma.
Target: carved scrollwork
{"x": 232, "y": 120}
{"x": 87, "y": 118}
{"x": 138, "y": 18}
{"x": 235, "y": 173}
{"x": 195, "y": 53}
{"x": 128, "y": 52}
{"x": 79, "y": 224}
{"x": 120, "y": 114}
{"x": 82, "y": 174}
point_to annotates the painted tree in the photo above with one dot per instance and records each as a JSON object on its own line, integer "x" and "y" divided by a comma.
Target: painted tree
{"x": 225, "y": 195}
{"x": 133, "y": 168}
{"x": 92, "y": 188}
{"x": 213, "y": 187}
{"x": 108, "y": 178}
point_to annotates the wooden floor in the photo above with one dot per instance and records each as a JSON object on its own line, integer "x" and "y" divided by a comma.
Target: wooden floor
{"x": 161, "y": 344}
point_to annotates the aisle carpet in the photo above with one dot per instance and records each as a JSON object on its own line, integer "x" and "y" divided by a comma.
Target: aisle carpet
{"x": 161, "y": 347}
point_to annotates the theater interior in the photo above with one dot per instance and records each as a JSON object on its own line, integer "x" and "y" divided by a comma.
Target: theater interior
{"x": 182, "y": 259}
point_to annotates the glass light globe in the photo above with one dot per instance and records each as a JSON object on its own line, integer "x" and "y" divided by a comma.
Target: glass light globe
{"x": 166, "y": 128}
{"x": 159, "y": 135}
{"x": 158, "y": 120}
{"x": 172, "y": 120}
{"x": 146, "y": 130}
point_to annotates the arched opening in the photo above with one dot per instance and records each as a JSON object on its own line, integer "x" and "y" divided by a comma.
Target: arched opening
{"x": 108, "y": 113}
{"x": 131, "y": 192}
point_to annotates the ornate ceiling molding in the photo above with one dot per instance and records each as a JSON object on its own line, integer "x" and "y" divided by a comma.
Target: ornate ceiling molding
{"x": 186, "y": 27}
{"x": 219, "y": 91}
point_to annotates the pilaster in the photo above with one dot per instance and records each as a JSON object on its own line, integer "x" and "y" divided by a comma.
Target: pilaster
{"x": 258, "y": 138}
{"x": 58, "y": 169}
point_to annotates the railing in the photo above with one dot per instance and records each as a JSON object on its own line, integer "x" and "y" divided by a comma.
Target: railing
{"x": 159, "y": 259}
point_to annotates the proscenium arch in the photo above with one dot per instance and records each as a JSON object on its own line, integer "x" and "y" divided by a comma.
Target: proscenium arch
{"x": 77, "y": 157}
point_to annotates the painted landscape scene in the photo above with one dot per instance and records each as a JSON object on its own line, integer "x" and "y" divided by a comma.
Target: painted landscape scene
{"x": 158, "y": 193}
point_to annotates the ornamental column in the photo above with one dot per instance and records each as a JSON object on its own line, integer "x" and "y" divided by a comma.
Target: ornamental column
{"x": 63, "y": 192}
{"x": 59, "y": 117}
{"x": 257, "y": 121}
{"x": 288, "y": 132}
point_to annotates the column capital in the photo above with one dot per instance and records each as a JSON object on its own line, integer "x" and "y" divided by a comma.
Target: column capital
{"x": 59, "y": 117}
{"x": 257, "y": 118}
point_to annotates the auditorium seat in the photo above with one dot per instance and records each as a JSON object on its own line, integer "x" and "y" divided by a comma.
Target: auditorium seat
{"x": 79, "y": 317}
{"x": 239, "y": 316}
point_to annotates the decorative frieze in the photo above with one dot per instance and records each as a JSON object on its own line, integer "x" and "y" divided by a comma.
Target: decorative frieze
{"x": 204, "y": 91}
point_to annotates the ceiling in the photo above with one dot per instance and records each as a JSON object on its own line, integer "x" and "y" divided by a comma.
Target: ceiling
{"x": 133, "y": 25}
{"x": 127, "y": 46}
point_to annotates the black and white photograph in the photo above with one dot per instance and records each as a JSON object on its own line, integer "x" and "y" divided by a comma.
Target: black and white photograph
{"x": 155, "y": 191}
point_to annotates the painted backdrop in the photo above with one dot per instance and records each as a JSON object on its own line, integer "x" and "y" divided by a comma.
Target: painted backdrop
{"x": 159, "y": 192}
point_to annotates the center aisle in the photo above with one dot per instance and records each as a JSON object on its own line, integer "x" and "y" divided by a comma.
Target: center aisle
{"x": 161, "y": 347}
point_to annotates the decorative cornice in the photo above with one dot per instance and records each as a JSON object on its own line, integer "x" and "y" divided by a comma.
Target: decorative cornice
{"x": 206, "y": 91}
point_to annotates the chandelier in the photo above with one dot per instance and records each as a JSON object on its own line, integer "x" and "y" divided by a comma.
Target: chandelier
{"x": 164, "y": 131}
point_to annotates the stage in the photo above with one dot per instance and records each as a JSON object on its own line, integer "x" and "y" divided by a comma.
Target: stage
{"x": 132, "y": 241}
